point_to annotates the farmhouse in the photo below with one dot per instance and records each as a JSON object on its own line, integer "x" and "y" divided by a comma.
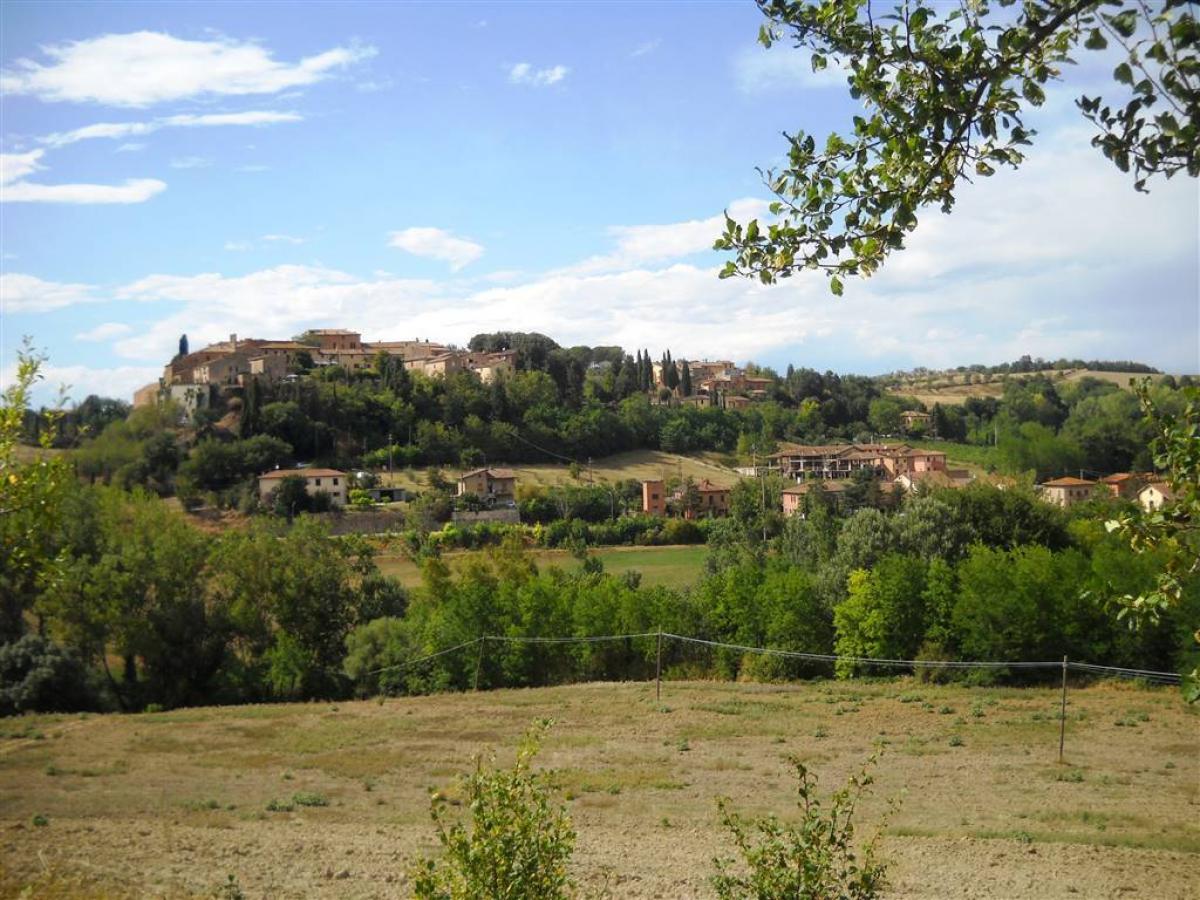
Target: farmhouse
{"x": 1154, "y": 496}
{"x": 1067, "y": 491}
{"x": 916, "y": 482}
{"x": 833, "y": 461}
{"x": 1125, "y": 485}
{"x": 654, "y": 498}
{"x": 495, "y": 485}
{"x": 714, "y": 501}
{"x": 316, "y": 481}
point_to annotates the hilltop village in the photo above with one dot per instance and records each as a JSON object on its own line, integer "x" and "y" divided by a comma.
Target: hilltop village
{"x": 216, "y": 380}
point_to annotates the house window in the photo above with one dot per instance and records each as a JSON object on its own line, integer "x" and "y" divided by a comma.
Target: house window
{"x": 318, "y": 481}
{"x": 335, "y": 482}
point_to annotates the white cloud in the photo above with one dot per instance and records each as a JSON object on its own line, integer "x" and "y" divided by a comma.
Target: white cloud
{"x": 184, "y": 120}
{"x": 239, "y": 246}
{"x": 80, "y": 381}
{"x": 640, "y": 244}
{"x": 14, "y": 166}
{"x": 104, "y": 332}
{"x": 646, "y": 47}
{"x": 14, "y": 189}
{"x": 190, "y": 162}
{"x": 145, "y": 67}
{"x": 29, "y": 294}
{"x": 524, "y": 73}
{"x": 130, "y": 147}
{"x": 757, "y": 69}
{"x": 434, "y": 243}
{"x": 283, "y": 239}
{"x": 133, "y": 190}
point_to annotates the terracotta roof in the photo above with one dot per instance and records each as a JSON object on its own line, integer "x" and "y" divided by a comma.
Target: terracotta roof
{"x": 1117, "y": 477}
{"x": 833, "y": 486}
{"x": 1068, "y": 481}
{"x": 939, "y": 477}
{"x": 303, "y": 473}
{"x": 707, "y": 487}
{"x": 492, "y": 473}
{"x": 813, "y": 450}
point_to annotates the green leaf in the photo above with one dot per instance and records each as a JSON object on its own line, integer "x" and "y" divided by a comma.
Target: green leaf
{"x": 1095, "y": 41}
{"x": 1123, "y": 73}
{"x": 835, "y": 285}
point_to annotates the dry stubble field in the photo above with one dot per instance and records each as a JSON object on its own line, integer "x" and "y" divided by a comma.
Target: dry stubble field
{"x": 171, "y": 804}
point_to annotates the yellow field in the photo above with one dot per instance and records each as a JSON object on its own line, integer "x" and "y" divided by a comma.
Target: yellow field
{"x": 331, "y": 800}
{"x": 672, "y": 566}
{"x": 955, "y": 388}
{"x": 641, "y": 465}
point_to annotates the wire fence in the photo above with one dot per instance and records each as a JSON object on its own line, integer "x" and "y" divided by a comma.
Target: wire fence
{"x": 1148, "y": 675}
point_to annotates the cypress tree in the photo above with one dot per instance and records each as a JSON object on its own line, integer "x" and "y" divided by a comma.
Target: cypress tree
{"x": 183, "y": 345}
{"x": 685, "y": 378}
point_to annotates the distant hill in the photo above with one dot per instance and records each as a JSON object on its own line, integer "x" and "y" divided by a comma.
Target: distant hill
{"x": 952, "y": 387}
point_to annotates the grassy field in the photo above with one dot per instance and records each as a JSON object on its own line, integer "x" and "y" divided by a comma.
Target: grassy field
{"x": 331, "y": 800}
{"x": 949, "y": 387}
{"x": 961, "y": 456}
{"x": 637, "y": 464}
{"x": 676, "y": 566}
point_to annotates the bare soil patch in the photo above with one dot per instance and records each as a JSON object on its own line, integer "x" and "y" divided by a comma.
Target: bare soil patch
{"x": 171, "y": 804}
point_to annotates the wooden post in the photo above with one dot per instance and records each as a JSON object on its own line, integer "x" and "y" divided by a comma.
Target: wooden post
{"x": 479, "y": 660}
{"x": 1062, "y": 721}
{"x": 658, "y": 669}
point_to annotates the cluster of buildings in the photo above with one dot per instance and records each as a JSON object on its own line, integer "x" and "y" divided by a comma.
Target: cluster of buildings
{"x": 190, "y": 379}
{"x": 1144, "y": 488}
{"x": 719, "y": 380}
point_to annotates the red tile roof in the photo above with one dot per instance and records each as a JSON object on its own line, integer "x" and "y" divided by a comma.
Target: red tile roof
{"x": 303, "y": 473}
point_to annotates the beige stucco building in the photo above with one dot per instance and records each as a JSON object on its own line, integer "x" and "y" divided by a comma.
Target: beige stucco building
{"x": 316, "y": 481}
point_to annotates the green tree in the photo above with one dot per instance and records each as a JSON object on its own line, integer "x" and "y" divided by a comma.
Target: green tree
{"x": 685, "y": 379}
{"x": 946, "y": 89}
{"x": 32, "y": 489}
{"x": 1174, "y": 529}
{"x": 884, "y": 415}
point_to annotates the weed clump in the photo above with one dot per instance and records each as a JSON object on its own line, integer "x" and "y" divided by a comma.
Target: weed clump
{"x": 517, "y": 842}
{"x": 812, "y": 857}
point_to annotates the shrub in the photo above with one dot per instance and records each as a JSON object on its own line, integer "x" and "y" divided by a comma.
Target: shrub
{"x": 518, "y": 841}
{"x": 814, "y": 857}
{"x": 37, "y": 675}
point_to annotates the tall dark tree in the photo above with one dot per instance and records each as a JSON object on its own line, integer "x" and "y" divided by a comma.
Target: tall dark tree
{"x": 183, "y": 345}
{"x": 670, "y": 374}
{"x": 685, "y": 378}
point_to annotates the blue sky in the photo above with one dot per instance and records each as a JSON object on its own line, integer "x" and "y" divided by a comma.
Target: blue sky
{"x": 438, "y": 170}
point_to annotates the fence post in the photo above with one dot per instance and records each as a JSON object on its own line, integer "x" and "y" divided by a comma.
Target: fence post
{"x": 1062, "y": 719}
{"x": 658, "y": 669}
{"x": 479, "y": 660}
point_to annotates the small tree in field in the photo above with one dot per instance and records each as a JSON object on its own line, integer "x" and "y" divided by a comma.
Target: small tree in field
{"x": 812, "y": 859}
{"x": 517, "y": 843}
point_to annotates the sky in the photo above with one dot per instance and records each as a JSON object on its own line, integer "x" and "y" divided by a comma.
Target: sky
{"x": 437, "y": 170}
